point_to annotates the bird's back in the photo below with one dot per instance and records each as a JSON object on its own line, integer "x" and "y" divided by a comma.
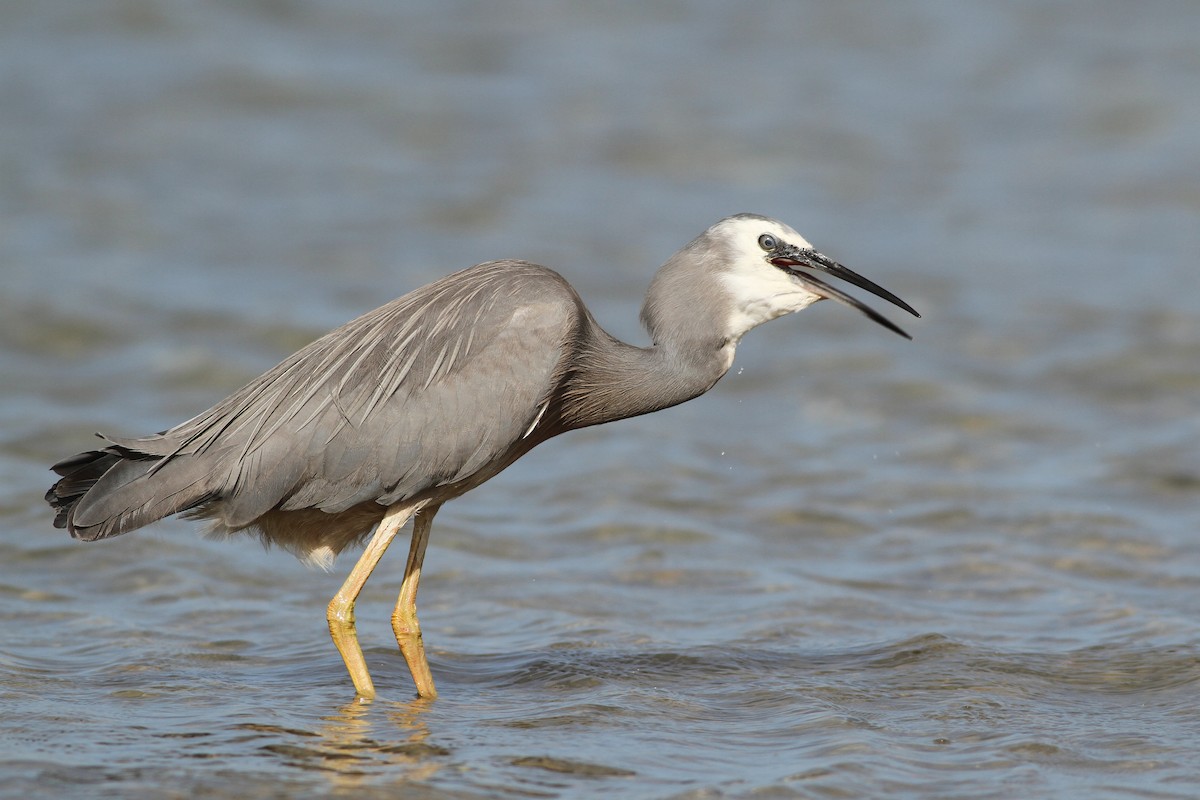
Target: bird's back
{"x": 432, "y": 393}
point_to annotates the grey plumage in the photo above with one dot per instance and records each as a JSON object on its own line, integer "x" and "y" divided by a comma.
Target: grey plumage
{"x": 426, "y": 397}
{"x": 373, "y": 412}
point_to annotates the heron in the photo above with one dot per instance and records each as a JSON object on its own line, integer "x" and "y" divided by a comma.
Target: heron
{"x": 383, "y": 420}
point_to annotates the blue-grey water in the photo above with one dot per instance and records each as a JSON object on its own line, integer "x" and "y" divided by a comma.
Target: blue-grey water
{"x": 966, "y": 566}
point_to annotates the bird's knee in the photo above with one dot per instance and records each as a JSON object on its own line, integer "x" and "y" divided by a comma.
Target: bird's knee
{"x": 340, "y": 613}
{"x": 405, "y": 626}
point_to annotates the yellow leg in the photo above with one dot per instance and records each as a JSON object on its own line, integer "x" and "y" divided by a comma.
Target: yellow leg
{"x": 341, "y": 608}
{"x": 404, "y": 618}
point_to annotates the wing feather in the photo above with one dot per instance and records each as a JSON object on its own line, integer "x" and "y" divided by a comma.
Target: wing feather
{"x": 438, "y": 386}
{"x": 435, "y": 388}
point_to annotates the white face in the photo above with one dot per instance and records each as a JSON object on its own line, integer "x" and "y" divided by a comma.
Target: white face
{"x": 759, "y": 290}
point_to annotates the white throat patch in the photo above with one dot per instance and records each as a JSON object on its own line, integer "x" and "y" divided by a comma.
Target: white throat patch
{"x": 757, "y": 299}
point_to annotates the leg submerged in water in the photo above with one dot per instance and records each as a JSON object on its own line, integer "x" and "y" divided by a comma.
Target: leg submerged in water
{"x": 341, "y": 608}
{"x": 404, "y": 617}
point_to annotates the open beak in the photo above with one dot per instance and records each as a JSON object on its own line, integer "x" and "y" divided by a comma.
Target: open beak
{"x": 788, "y": 257}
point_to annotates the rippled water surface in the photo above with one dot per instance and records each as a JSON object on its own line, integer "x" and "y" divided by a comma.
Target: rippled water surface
{"x": 965, "y": 566}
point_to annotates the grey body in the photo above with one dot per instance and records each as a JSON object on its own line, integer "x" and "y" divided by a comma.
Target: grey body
{"x": 429, "y": 396}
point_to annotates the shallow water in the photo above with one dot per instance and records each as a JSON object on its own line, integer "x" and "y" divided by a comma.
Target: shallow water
{"x": 960, "y": 567}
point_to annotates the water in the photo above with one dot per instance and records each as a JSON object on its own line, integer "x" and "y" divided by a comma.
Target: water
{"x": 961, "y": 567}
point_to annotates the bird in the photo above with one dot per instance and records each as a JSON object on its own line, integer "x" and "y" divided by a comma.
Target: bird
{"x": 386, "y": 418}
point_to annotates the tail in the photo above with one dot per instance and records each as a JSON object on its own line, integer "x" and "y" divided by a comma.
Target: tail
{"x": 108, "y": 492}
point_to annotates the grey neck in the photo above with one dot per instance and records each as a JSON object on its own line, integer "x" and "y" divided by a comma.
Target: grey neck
{"x": 612, "y": 380}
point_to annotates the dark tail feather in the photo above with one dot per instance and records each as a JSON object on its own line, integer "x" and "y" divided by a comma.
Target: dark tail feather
{"x": 79, "y": 474}
{"x": 107, "y": 492}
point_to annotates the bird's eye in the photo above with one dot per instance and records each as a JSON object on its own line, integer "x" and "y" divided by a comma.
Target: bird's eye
{"x": 768, "y": 242}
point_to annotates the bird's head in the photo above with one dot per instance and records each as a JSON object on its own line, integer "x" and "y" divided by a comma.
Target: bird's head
{"x": 766, "y": 269}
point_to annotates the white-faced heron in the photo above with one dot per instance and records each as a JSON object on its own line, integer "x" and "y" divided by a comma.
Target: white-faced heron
{"x": 389, "y": 416}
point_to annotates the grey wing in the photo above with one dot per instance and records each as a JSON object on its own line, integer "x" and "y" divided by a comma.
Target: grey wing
{"x": 433, "y": 389}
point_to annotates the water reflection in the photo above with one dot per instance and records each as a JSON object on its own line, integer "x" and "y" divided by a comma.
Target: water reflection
{"x": 358, "y": 742}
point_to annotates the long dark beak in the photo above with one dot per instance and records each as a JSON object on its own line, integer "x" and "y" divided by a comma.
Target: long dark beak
{"x": 787, "y": 257}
